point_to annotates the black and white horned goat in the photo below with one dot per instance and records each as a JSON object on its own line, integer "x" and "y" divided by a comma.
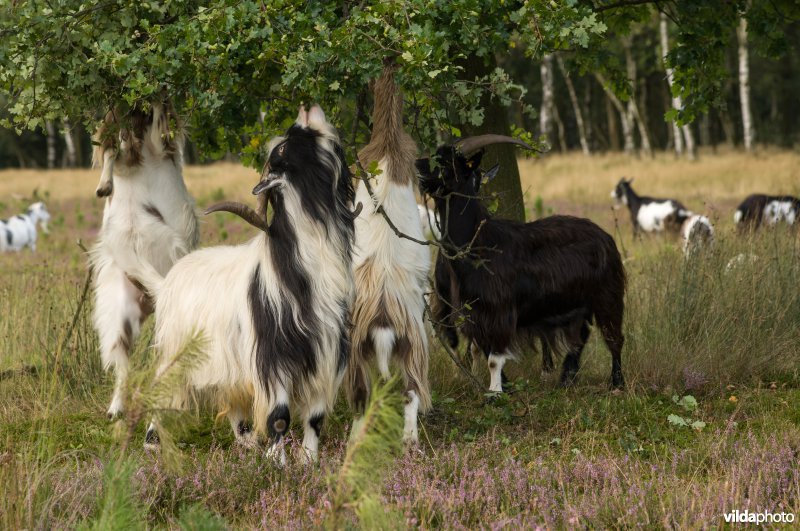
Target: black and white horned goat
{"x": 18, "y": 232}
{"x": 148, "y": 217}
{"x": 650, "y": 214}
{"x": 274, "y": 312}
{"x": 760, "y": 209}
{"x": 549, "y": 278}
{"x": 391, "y": 273}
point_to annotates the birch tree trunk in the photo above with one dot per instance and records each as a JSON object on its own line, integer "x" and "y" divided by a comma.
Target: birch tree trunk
{"x": 627, "y": 126}
{"x": 51, "y": 144}
{"x": 573, "y": 97}
{"x": 71, "y": 153}
{"x": 744, "y": 86}
{"x": 684, "y": 133}
{"x": 546, "y": 109}
{"x": 633, "y": 109}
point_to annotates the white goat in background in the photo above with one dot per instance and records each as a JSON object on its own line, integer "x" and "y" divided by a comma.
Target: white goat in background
{"x": 149, "y": 216}
{"x": 391, "y": 272}
{"x": 19, "y": 231}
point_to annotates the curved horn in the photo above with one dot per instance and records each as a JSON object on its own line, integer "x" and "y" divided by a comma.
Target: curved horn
{"x": 241, "y": 210}
{"x": 356, "y": 211}
{"x": 468, "y": 146}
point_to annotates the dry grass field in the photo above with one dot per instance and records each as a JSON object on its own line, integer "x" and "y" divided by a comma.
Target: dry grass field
{"x": 709, "y": 421}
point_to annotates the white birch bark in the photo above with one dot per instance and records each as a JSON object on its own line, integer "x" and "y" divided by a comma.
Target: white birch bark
{"x": 744, "y": 86}
{"x": 546, "y": 109}
{"x": 51, "y": 144}
{"x": 576, "y": 108}
{"x": 681, "y": 134}
{"x": 69, "y": 141}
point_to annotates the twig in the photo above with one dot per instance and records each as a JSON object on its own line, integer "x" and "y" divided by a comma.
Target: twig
{"x": 459, "y": 364}
{"x": 81, "y": 302}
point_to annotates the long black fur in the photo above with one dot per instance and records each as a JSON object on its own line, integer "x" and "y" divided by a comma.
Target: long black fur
{"x": 286, "y": 345}
{"x": 752, "y": 209}
{"x": 553, "y": 275}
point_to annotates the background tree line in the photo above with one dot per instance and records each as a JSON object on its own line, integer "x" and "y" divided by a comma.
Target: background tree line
{"x": 599, "y": 75}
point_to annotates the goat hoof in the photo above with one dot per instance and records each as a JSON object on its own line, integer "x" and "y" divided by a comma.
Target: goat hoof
{"x": 492, "y": 397}
{"x": 151, "y": 440}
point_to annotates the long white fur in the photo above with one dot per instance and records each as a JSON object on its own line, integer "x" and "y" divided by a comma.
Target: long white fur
{"x": 430, "y": 222}
{"x": 206, "y": 292}
{"x": 777, "y": 211}
{"x": 697, "y": 233}
{"x": 22, "y": 228}
{"x": 129, "y": 236}
{"x": 402, "y": 263}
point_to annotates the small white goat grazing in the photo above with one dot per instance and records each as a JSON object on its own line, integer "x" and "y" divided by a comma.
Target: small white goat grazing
{"x": 697, "y": 235}
{"x": 19, "y": 231}
{"x": 274, "y": 312}
{"x": 391, "y": 272}
{"x": 148, "y": 217}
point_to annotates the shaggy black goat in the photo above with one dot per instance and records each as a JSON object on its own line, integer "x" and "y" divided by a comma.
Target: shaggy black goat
{"x": 549, "y": 278}
{"x": 758, "y": 209}
{"x": 650, "y": 214}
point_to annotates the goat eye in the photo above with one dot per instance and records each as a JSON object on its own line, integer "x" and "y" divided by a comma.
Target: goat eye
{"x": 281, "y": 149}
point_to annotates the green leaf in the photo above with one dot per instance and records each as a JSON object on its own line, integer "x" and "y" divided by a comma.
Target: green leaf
{"x": 677, "y": 420}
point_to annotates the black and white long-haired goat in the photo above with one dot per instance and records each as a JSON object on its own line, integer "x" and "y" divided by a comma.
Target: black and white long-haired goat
{"x": 697, "y": 235}
{"x": 650, "y": 214}
{"x": 760, "y": 209}
{"x": 391, "y": 273}
{"x": 274, "y": 312}
{"x": 549, "y": 278}
{"x": 18, "y": 232}
{"x": 148, "y": 217}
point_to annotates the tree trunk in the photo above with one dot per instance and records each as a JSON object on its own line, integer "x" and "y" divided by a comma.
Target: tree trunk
{"x": 546, "y": 108}
{"x": 633, "y": 109}
{"x": 587, "y": 109}
{"x": 507, "y": 183}
{"x": 576, "y": 108}
{"x": 688, "y": 137}
{"x": 744, "y": 86}
{"x": 625, "y": 119}
{"x": 51, "y": 144}
{"x": 70, "y": 153}
{"x": 562, "y": 140}
{"x": 728, "y": 130}
{"x": 705, "y": 130}
{"x": 677, "y": 103}
{"x": 613, "y": 131}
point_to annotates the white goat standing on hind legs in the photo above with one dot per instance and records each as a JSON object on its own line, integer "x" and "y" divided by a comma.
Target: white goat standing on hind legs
{"x": 391, "y": 272}
{"x": 274, "y": 312}
{"x": 148, "y": 217}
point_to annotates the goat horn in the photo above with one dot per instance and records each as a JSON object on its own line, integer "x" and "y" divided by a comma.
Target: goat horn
{"x": 468, "y": 146}
{"x": 357, "y": 210}
{"x": 241, "y": 210}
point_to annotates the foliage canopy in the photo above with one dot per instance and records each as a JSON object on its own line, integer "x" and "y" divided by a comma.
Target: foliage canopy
{"x": 238, "y": 69}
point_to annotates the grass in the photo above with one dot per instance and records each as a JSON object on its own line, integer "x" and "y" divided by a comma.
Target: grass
{"x": 539, "y": 456}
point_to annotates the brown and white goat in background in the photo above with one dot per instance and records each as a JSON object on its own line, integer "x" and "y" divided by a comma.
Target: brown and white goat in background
{"x": 391, "y": 272}
{"x": 149, "y": 216}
